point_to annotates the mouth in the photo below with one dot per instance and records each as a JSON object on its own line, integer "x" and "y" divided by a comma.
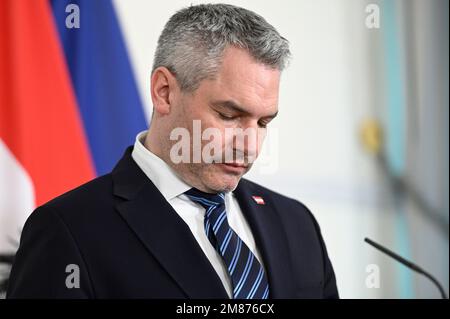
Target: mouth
{"x": 235, "y": 168}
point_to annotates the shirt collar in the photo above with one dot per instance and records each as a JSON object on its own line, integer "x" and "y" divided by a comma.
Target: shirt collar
{"x": 159, "y": 172}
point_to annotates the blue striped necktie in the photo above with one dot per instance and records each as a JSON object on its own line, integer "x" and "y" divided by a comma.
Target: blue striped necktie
{"x": 247, "y": 274}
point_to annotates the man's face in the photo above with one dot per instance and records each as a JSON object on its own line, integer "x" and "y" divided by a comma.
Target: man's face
{"x": 243, "y": 95}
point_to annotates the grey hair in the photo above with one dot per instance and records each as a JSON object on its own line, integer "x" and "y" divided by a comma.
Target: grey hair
{"x": 192, "y": 42}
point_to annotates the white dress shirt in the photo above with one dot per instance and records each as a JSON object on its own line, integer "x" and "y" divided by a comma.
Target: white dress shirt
{"x": 172, "y": 187}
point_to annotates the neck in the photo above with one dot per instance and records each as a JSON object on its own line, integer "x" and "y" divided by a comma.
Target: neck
{"x": 152, "y": 143}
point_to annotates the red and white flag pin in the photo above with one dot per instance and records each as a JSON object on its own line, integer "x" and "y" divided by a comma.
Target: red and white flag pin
{"x": 258, "y": 200}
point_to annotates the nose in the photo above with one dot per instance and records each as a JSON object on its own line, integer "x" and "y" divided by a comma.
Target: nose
{"x": 248, "y": 141}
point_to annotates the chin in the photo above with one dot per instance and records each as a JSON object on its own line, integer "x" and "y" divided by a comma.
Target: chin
{"x": 216, "y": 180}
{"x": 224, "y": 183}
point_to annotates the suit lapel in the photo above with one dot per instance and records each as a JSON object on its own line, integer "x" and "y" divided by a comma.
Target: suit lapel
{"x": 270, "y": 239}
{"x": 163, "y": 232}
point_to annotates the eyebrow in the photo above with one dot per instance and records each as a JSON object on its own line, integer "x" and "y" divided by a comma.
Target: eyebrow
{"x": 234, "y": 106}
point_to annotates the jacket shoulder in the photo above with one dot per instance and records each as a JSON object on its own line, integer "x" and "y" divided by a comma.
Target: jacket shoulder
{"x": 92, "y": 196}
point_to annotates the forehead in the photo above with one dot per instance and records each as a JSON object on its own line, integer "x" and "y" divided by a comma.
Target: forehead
{"x": 242, "y": 79}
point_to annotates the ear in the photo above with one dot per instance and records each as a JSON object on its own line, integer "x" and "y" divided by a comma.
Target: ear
{"x": 164, "y": 88}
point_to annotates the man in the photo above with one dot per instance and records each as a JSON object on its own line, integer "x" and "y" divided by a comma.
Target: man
{"x": 161, "y": 227}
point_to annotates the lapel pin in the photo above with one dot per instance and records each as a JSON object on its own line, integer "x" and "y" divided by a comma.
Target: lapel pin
{"x": 258, "y": 200}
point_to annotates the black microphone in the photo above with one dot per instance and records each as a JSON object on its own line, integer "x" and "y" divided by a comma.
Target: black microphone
{"x": 407, "y": 263}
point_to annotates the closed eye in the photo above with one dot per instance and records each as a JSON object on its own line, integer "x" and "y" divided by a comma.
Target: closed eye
{"x": 226, "y": 117}
{"x": 263, "y": 124}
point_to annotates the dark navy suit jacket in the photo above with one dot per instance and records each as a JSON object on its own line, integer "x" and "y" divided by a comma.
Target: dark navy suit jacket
{"x": 128, "y": 242}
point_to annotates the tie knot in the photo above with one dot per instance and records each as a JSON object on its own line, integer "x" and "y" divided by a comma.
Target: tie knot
{"x": 205, "y": 199}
